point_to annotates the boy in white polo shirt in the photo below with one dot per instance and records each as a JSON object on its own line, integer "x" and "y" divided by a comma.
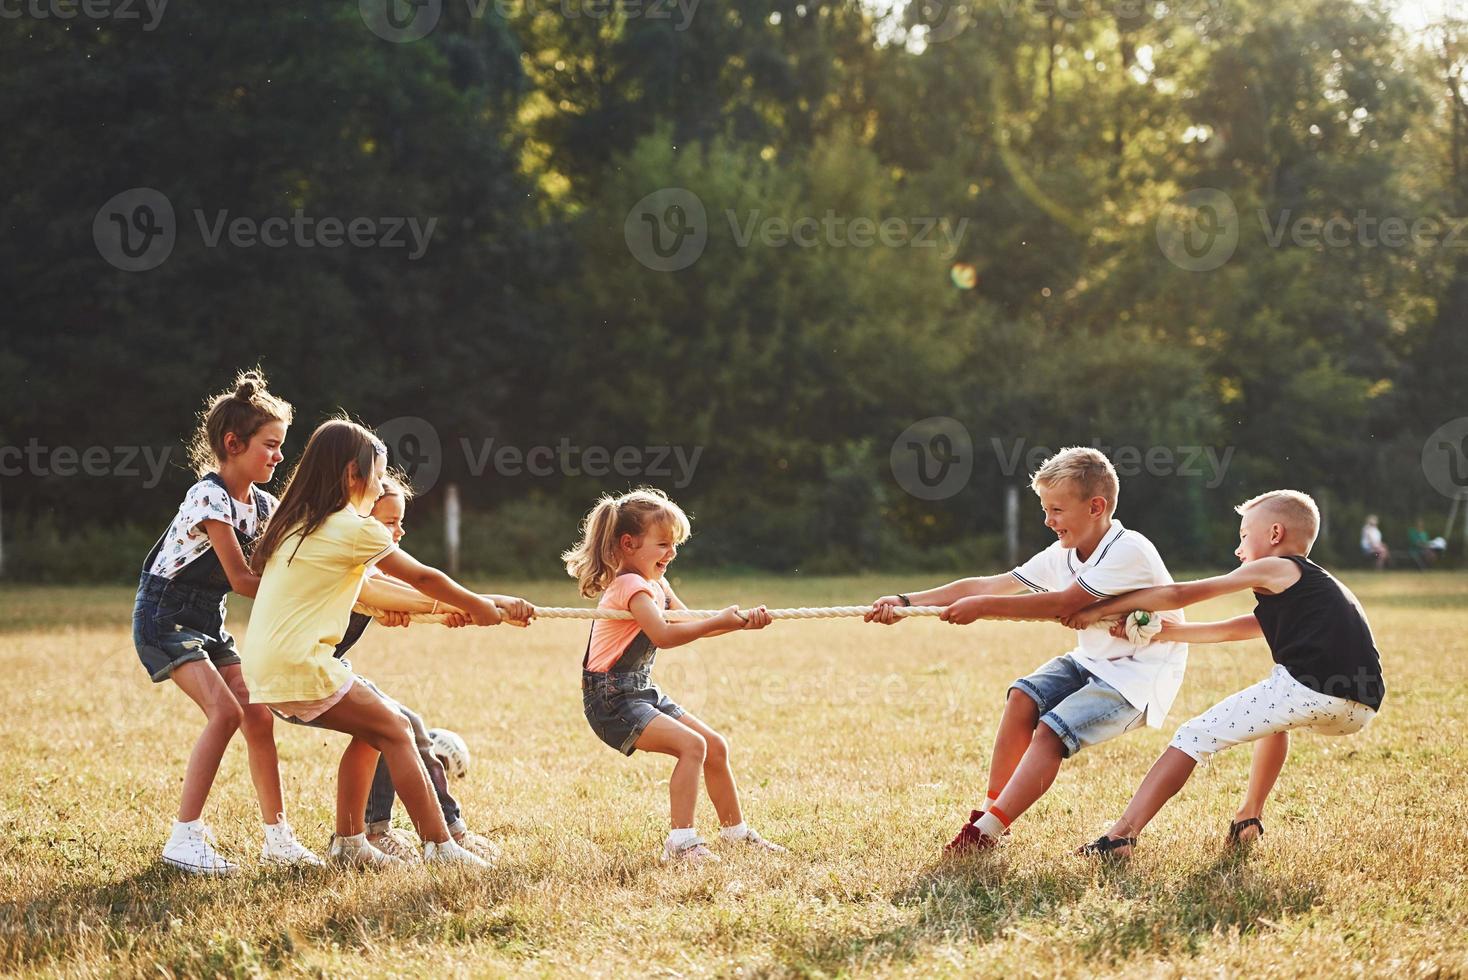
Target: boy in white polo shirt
{"x": 1101, "y": 689}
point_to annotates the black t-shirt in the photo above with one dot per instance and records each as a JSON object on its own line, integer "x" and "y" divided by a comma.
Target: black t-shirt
{"x": 1318, "y": 632}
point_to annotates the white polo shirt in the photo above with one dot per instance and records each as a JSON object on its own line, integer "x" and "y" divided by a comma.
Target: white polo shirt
{"x": 1147, "y": 676}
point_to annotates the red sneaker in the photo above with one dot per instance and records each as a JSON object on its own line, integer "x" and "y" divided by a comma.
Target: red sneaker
{"x": 969, "y": 839}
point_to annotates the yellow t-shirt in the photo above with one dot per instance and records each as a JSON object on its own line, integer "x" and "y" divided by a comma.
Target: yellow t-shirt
{"x": 304, "y": 606}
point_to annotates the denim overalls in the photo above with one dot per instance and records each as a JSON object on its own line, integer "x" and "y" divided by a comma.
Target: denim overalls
{"x": 179, "y": 620}
{"x": 623, "y": 701}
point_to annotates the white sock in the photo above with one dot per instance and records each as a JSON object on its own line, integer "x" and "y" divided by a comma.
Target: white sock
{"x": 354, "y": 840}
{"x": 681, "y": 837}
{"x": 989, "y": 802}
{"x": 737, "y": 832}
{"x": 990, "y": 826}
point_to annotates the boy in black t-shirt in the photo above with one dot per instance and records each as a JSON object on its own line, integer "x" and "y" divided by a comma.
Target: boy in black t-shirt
{"x": 1327, "y": 674}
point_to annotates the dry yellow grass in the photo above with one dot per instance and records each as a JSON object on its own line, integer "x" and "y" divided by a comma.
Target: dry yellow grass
{"x": 859, "y": 747}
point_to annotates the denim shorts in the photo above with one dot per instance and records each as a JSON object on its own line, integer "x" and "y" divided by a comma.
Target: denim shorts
{"x": 619, "y": 705}
{"x": 1078, "y": 706}
{"x": 175, "y": 623}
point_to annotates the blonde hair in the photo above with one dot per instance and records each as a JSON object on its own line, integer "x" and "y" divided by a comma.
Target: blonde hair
{"x": 593, "y": 562}
{"x": 1292, "y": 508}
{"x": 1087, "y": 468}
{"x": 396, "y": 484}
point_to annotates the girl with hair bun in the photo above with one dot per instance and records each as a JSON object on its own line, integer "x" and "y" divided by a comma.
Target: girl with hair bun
{"x": 178, "y": 617}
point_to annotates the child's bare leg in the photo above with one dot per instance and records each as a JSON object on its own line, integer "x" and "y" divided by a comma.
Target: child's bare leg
{"x": 718, "y": 777}
{"x": 1016, "y": 729}
{"x": 1269, "y": 758}
{"x": 1034, "y": 774}
{"x": 1167, "y": 775}
{"x": 354, "y": 780}
{"x": 201, "y": 682}
{"x": 368, "y": 718}
{"x": 258, "y": 726}
{"x": 667, "y": 736}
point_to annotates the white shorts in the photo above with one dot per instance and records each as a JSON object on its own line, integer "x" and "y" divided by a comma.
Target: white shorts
{"x": 1276, "y": 704}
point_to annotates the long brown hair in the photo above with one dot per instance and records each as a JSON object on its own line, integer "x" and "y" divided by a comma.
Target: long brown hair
{"x": 320, "y": 485}
{"x": 593, "y": 562}
{"x": 240, "y": 411}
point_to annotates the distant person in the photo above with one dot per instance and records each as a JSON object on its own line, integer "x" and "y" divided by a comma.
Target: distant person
{"x": 1419, "y": 547}
{"x": 1372, "y": 546}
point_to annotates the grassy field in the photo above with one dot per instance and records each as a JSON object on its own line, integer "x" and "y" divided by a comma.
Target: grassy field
{"x": 859, "y": 747}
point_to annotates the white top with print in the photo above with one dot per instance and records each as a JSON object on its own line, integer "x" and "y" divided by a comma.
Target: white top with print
{"x": 187, "y": 538}
{"x": 1147, "y": 676}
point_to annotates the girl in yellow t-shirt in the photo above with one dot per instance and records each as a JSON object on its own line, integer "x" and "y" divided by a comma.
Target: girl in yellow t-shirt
{"x": 311, "y": 560}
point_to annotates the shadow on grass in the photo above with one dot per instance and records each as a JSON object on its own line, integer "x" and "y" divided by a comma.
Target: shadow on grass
{"x": 1102, "y": 913}
{"x": 185, "y": 924}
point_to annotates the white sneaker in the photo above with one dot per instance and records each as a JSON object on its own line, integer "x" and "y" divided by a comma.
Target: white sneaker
{"x": 355, "y": 851}
{"x": 479, "y": 846}
{"x": 451, "y": 852}
{"x": 695, "y": 851}
{"x": 191, "y": 848}
{"x": 281, "y": 847}
{"x": 752, "y": 839}
{"x": 398, "y": 844}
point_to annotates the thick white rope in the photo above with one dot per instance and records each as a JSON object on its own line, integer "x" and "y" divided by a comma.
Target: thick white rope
{"x": 677, "y": 615}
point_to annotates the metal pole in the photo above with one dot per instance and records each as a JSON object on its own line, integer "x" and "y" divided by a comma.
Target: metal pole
{"x": 451, "y": 525}
{"x": 1011, "y": 523}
